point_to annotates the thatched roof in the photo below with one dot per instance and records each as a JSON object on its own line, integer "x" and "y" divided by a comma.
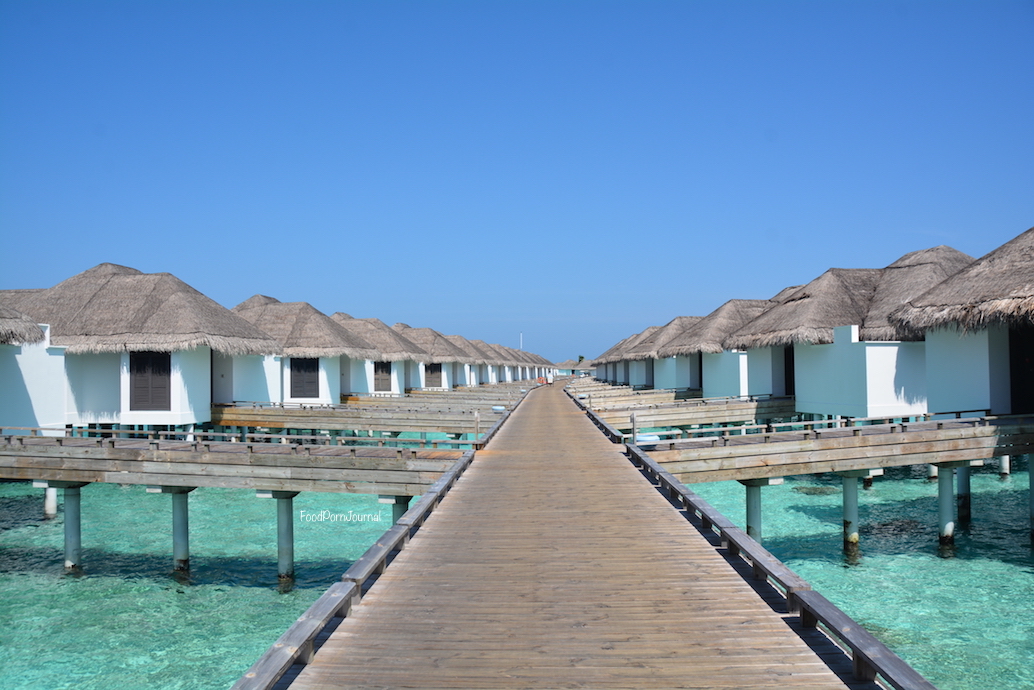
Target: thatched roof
{"x": 707, "y": 334}
{"x": 905, "y": 279}
{"x": 302, "y": 330}
{"x": 475, "y": 355}
{"x": 849, "y": 296}
{"x": 436, "y": 345}
{"x": 18, "y": 329}
{"x": 614, "y": 349}
{"x": 111, "y": 308}
{"x": 996, "y": 289}
{"x": 622, "y": 350}
{"x": 651, "y": 346}
{"x": 501, "y": 356}
{"x": 389, "y": 345}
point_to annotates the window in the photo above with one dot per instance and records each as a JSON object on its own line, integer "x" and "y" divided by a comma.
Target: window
{"x": 150, "y": 375}
{"x": 433, "y": 376}
{"x": 305, "y": 378}
{"x": 382, "y": 377}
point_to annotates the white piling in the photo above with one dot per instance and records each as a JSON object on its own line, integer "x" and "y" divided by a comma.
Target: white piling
{"x": 50, "y": 502}
{"x": 946, "y": 505}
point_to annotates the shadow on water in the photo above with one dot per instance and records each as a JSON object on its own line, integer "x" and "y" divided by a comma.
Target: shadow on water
{"x": 999, "y": 530}
{"x": 20, "y": 511}
{"x": 205, "y": 570}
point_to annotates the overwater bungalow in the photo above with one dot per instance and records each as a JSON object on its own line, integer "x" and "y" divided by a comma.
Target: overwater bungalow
{"x": 649, "y": 369}
{"x": 312, "y": 344}
{"x": 492, "y": 370}
{"x": 386, "y": 374}
{"x": 847, "y": 359}
{"x": 468, "y": 373}
{"x": 978, "y": 326}
{"x": 619, "y": 367}
{"x": 436, "y": 371}
{"x": 128, "y": 349}
{"x": 716, "y": 370}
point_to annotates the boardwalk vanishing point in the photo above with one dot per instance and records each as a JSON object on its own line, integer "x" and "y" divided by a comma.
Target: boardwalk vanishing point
{"x": 554, "y": 562}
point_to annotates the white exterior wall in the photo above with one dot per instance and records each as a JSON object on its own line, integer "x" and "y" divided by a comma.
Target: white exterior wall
{"x": 94, "y": 393}
{"x": 222, "y": 378}
{"x": 637, "y": 373}
{"x": 861, "y": 379}
{"x": 724, "y": 374}
{"x": 895, "y": 379}
{"x": 766, "y": 371}
{"x": 664, "y": 373}
{"x": 356, "y": 375}
{"x": 969, "y": 371}
{"x": 246, "y": 378}
{"x": 190, "y": 391}
{"x": 32, "y": 381}
{"x": 831, "y": 378}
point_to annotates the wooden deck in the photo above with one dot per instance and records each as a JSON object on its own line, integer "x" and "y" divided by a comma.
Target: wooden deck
{"x": 554, "y": 563}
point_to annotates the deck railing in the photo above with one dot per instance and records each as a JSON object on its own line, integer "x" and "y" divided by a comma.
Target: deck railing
{"x": 872, "y": 660}
{"x": 298, "y": 644}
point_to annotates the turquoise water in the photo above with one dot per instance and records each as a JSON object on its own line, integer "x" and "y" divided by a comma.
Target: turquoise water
{"x": 127, "y": 621}
{"x": 965, "y": 621}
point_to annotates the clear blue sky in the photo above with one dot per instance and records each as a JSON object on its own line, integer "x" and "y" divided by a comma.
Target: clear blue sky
{"x": 576, "y": 171}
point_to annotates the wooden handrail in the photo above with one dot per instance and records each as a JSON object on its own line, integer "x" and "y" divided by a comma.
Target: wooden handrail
{"x": 296, "y": 645}
{"x": 870, "y": 656}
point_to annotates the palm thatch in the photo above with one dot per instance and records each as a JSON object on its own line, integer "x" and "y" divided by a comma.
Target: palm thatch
{"x": 436, "y": 345}
{"x": 302, "y": 330}
{"x": 651, "y": 346}
{"x": 18, "y": 329}
{"x": 839, "y": 297}
{"x": 624, "y": 349}
{"x": 995, "y": 290}
{"x": 849, "y": 296}
{"x": 614, "y": 349}
{"x": 389, "y": 345}
{"x": 905, "y": 279}
{"x": 708, "y": 333}
{"x": 475, "y": 355}
{"x": 111, "y": 308}
{"x": 494, "y": 356}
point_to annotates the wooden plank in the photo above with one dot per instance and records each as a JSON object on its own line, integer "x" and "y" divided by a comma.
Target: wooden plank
{"x": 519, "y": 580}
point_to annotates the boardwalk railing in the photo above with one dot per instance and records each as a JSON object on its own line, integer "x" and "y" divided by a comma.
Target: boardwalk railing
{"x": 872, "y": 660}
{"x": 298, "y": 644}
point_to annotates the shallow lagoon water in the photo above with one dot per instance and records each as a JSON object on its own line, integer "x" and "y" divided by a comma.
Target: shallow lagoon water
{"x": 127, "y": 621}
{"x": 966, "y": 622}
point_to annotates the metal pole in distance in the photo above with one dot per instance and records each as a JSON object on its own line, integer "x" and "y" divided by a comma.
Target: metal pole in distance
{"x": 633, "y": 429}
{"x": 946, "y": 505}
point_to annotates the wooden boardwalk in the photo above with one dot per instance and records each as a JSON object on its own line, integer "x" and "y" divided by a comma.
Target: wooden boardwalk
{"x": 554, "y": 563}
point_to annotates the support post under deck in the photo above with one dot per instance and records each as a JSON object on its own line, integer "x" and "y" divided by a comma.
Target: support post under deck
{"x": 963, "y": 494}
{"x": 399, "y": 505}
{"x": 180, "y": 523}
{"x": 946, "y": 505}
{"x": 50, "y": 502}
{"x": 754, "y": 504}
